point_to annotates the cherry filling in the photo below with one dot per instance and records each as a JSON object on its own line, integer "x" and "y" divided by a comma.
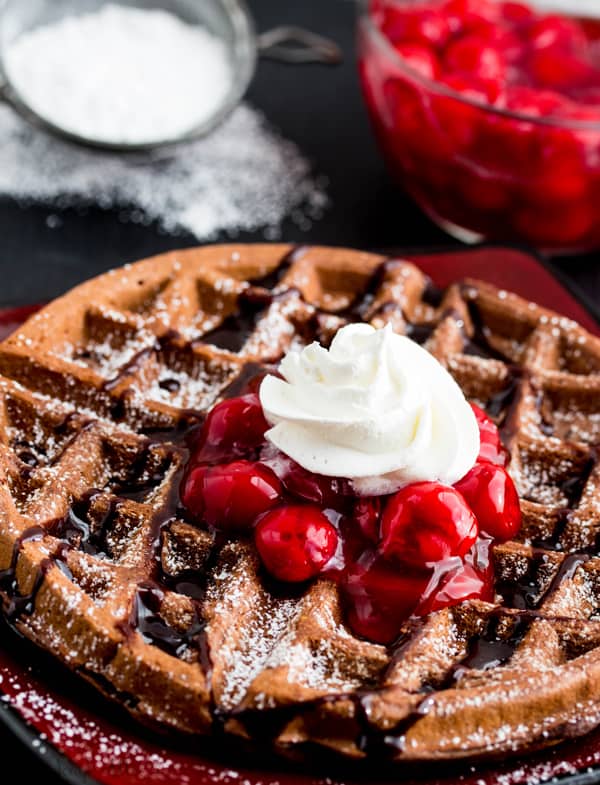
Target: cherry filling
{"x": 423, "y": 548}
{"x": 532, "y": 177}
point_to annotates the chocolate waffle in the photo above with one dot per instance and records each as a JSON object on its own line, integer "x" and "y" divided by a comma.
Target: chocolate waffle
{"x": 100, "y": 567}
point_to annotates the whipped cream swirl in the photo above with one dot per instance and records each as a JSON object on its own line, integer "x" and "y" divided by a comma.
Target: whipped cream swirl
{"x": 375, "y": 408}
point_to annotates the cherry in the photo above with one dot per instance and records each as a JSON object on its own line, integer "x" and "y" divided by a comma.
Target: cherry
{"x": 474, "y": 56}
{"x": 420, "y": 58}
{"x": 516, "y": 13}
{"x": 559, "y": 70}
{"x": 380, "y": 596}
{"x": 557, "y": 32}
{"x": 503, "y": 39}
{"x": 230, "y": 496}
{"x": 491, "y": 449}
{"x": 316, "y": 488}
{"x": 426, "y": 26}
{"x": 491, "y": 494}
{"x": 469, "y": 14}
{"x": 295, "y": 542}
{"x": 426, "y": 522}
{"x": 232, "y": 428}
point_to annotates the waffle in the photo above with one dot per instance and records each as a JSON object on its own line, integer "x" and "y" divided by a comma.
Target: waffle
{"x": 99, "y": 566}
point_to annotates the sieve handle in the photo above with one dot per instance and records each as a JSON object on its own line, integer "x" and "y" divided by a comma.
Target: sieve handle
{"x": 291, "y": 44}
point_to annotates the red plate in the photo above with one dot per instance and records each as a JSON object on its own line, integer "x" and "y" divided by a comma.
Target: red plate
{"x": 82, "y": 736}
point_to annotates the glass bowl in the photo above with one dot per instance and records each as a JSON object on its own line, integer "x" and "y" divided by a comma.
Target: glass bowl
{"x": 480, "y": 171}
{"x": 229, "y": 20}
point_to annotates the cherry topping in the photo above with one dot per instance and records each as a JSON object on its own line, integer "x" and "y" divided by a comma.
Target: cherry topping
{"x": 492, "y": 496}
{"x": 491, "y": 449}
{"x": 381, "y": 596}
{"x": 232, "y": 429}
{"x": 295, "y": 542}
{"x": 426, "y": 522}
{"x": 230, "y": 496}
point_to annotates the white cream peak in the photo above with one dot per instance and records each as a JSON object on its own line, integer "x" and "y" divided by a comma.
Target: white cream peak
{"x": 375, "y": 408}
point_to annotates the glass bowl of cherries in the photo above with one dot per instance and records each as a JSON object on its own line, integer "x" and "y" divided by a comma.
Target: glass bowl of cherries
{"x": 488, "y": 113}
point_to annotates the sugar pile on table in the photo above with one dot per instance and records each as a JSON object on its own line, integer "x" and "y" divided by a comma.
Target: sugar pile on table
{"x": 243, "y": 176}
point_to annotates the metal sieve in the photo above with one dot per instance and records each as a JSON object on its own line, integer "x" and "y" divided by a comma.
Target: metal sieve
{"x": 229, "y": 20}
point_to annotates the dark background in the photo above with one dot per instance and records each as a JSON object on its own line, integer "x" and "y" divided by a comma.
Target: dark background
{"x": 319, "y": 108}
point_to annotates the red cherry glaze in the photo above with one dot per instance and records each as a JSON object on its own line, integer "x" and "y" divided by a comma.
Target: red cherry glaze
{"x": 295, "y": 542}
{"x": 380, "y": 596}
{"x": 472, "y": 580}
{"x": 426, "y": 522}
{"x": 491, "y": 494}
{"x": 365, "y": 516}
{"x": 491, "y": 448}
{"x": 233, "y": 428}
{"x": 230, "y": 496}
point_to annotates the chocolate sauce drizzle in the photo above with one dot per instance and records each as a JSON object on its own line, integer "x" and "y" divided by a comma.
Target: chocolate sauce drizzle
{"x": 145, "y": 620}
{"x": 134, "y": 365}
{"x": 479, "y": 345}
{"x": 358, "y": 309}
{"x": 491, "y": 649}
{"x": 273, "y": 279}
{"x": 14, "y": 604}
{"x": 420, "y": 333}
{"x": 77, "y": 530}
{"x": 235, "y": 329}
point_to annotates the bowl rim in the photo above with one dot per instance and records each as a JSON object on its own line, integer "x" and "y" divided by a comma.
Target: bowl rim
{"x": 244, "y": 53}
{"x": 365, "y": 19}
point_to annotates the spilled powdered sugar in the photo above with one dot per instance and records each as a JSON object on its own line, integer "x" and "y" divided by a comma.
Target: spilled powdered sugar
{"x": 242, "y": 177}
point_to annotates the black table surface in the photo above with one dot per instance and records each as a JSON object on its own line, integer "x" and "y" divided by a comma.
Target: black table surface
{"x": 321, "y": 110}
